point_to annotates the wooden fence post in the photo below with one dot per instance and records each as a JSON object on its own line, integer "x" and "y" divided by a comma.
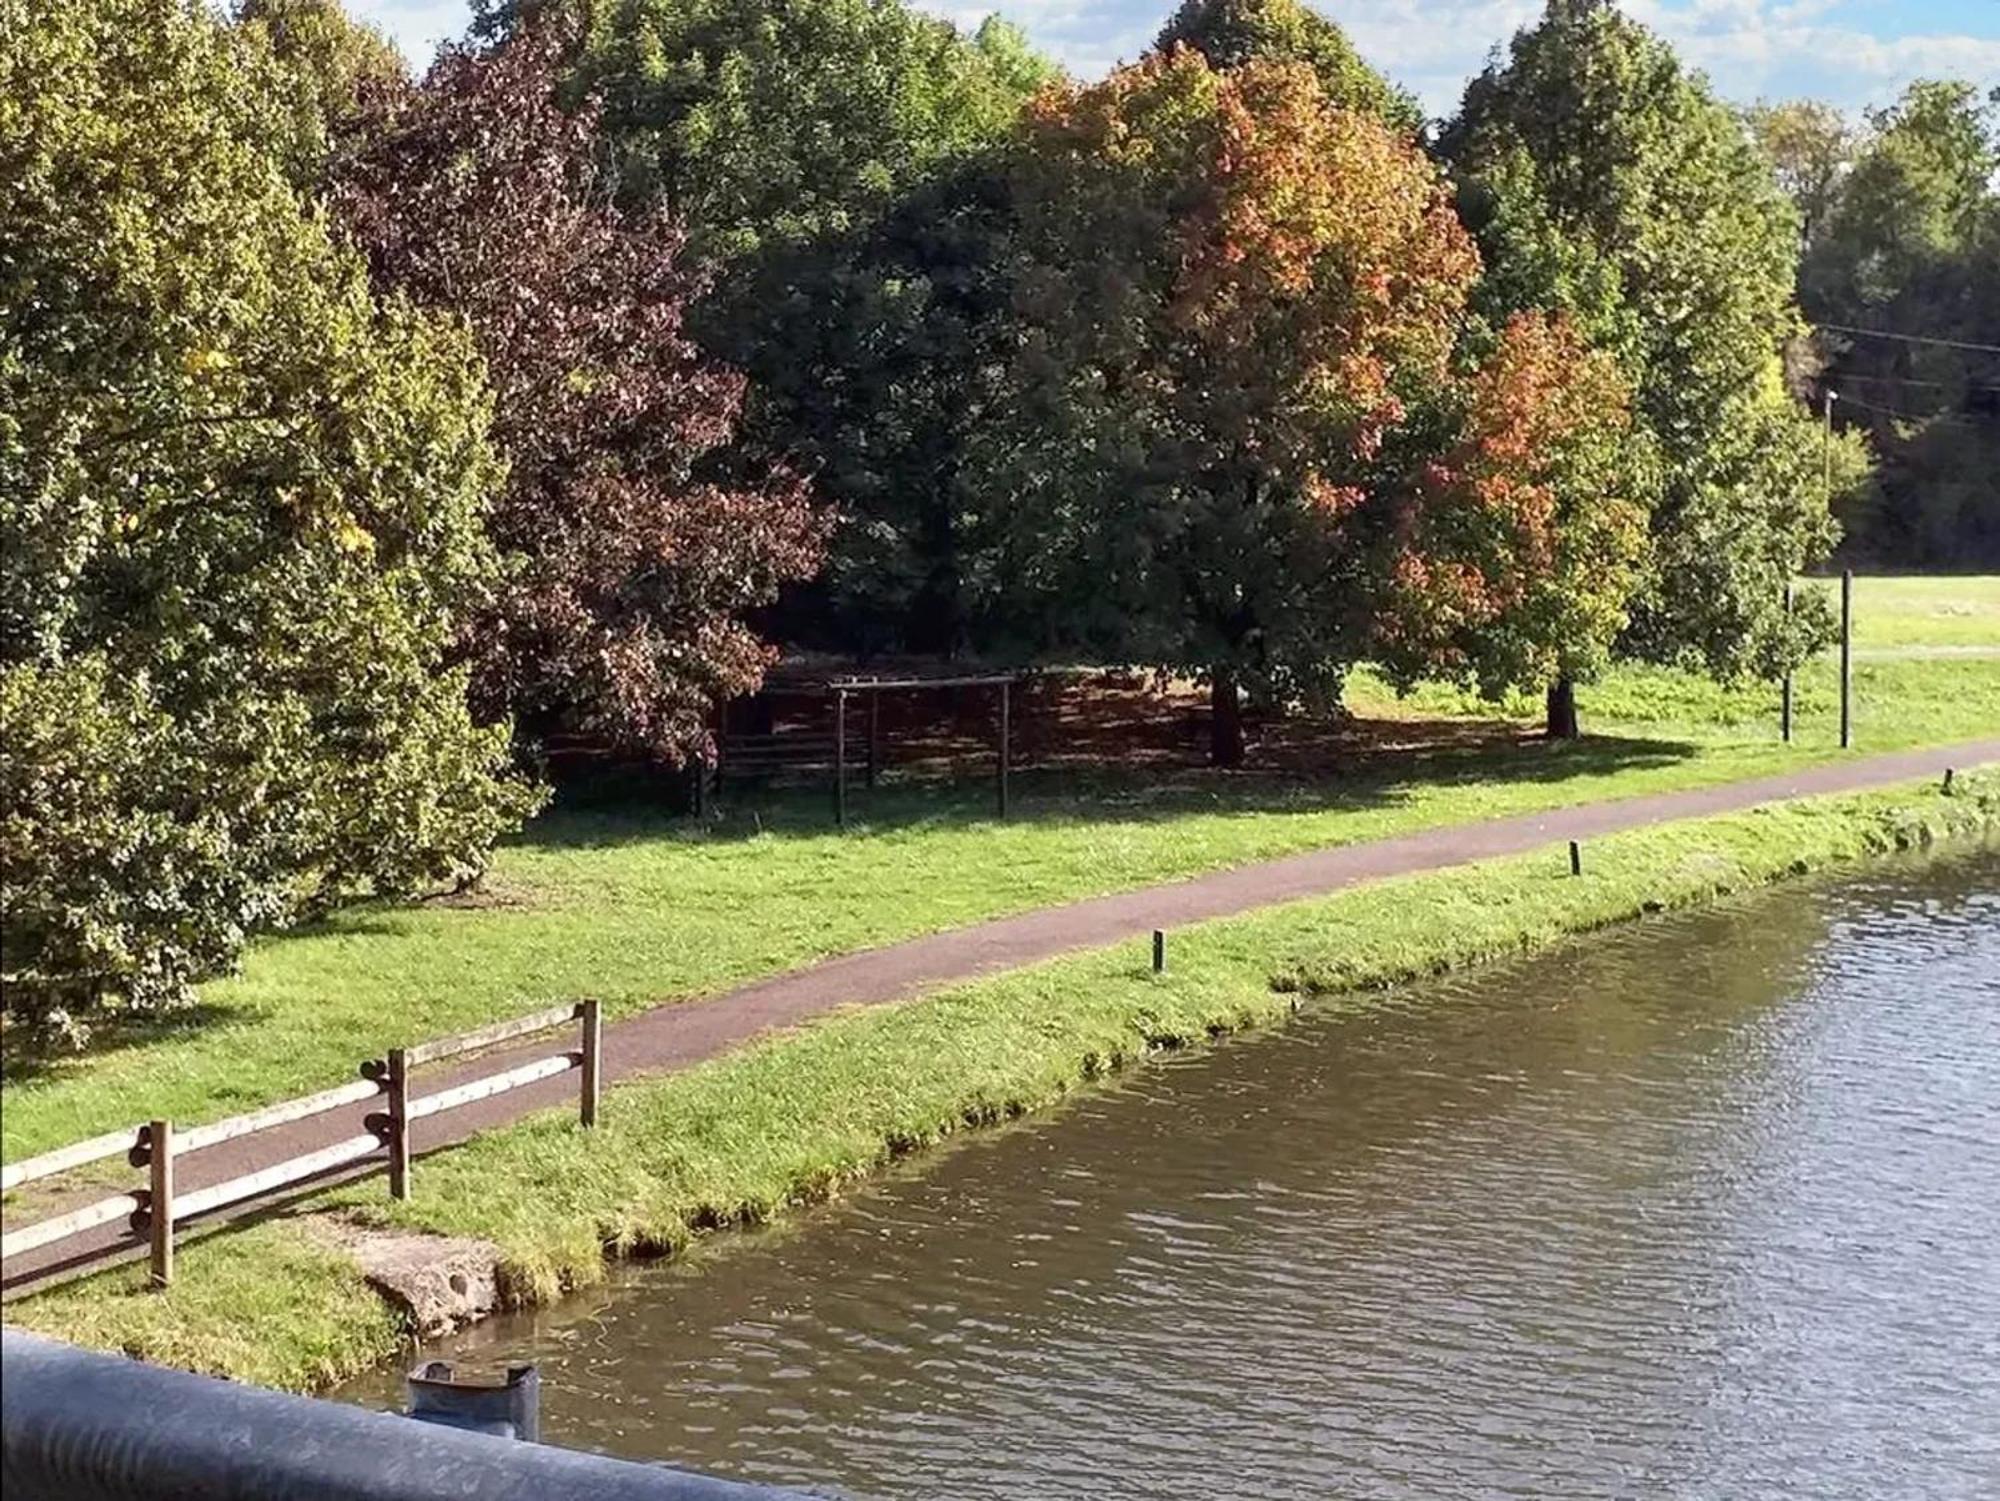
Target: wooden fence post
{"x": 593, "y": 1062}
{"x": 1006, "y": 740}
{"x": 840, "y": 758}
{"x": 874, "y": 735}
{"x": 399, "y": 1125}
{"x": 160, "y": 1202}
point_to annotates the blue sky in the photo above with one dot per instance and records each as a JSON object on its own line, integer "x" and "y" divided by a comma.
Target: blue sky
{"x": 1851, "y": 52}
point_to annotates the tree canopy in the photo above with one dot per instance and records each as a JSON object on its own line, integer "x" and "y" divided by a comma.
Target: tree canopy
{"x": 754, "y": 122}
{"x": 324, "y": 62}
{"x": 1230, "y": 33}
{"x": 1233, "y": 426}
{"x": 635, "y": 556}
{"x": 241, "y": 510}
{"x": 1910, "y": 245}
{"x": 1605, "y": 180}
{"x": 1810, "y": 146}
{"x": 830, "y": 158}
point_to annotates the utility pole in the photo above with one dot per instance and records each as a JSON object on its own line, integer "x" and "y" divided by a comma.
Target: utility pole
{"x": 1846, "y": 582}
{"x": 1846, "y": 658}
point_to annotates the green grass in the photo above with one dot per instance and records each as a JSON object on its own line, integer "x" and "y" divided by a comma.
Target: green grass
{"x": 641, "y": 908}
{"x": 1900, "y": 612}
{"x": 790, "y": 1120}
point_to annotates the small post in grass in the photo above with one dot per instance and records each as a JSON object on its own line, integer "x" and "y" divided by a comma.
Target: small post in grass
{"x": 593, "y": 1061}
{"x": 1575, "y": 858}
{"x": 1947, "y": 781}
{"x": 1785, "y": 690}
{"x": 840, "y": 758}
{"x": 1159, "y": 951}
{"x": 399, "y": 1125}
{"x": 160, "y": 1202}
{"x": 1846, "y": 658}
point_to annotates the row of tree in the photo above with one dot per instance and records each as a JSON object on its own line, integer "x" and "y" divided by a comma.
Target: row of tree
{"x": 356, "y": 425}
{"x": 1900, "y": 228}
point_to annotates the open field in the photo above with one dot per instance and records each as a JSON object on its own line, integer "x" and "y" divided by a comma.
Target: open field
{"x": 789, "y": 1120}
{"x": 640, "y": 907}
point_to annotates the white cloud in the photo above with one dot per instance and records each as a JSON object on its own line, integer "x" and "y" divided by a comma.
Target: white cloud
{"x": 1749, "y": 48}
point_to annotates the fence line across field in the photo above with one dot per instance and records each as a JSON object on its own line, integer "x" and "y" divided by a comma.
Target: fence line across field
{"x": 157, "y": 1146}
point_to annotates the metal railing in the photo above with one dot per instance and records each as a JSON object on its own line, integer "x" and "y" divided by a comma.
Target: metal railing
{"x": 81, "y": 1426}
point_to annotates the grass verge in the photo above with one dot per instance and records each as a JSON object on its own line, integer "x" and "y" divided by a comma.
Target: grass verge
{"x": 789, "y": 1120}
{"x": 640, "y": 908}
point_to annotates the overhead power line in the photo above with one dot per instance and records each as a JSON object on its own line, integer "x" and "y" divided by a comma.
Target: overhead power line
{"x": 1922, "y": 419}
{"x": 1883, "y": 333}
{"x": 1905, "y": 380}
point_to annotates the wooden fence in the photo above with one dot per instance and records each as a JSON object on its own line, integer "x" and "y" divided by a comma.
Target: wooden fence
{"x": 154, "y": 1211}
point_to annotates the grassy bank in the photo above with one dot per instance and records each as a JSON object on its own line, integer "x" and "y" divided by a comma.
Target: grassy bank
{"x": 789, "y": 1120}
{"x": 639, "y": 907}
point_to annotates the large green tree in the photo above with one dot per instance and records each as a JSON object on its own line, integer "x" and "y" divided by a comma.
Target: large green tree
{"x": 323, "y": 62}
{"x": 827, "y": 155}
{"x": 1810, "y": 146}
{"x": 877, "y": 355}
{"x": 1238, "y": 443}
{"x": 1605, "y": 180}
{"x": 1230, "y": 33}
{"x": 763, "y": 120}
{"x": 241, "y": 510}
{"x": 1911, "y": 247}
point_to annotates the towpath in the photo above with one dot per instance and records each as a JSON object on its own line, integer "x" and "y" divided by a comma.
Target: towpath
{"x": 673, "y": 1036}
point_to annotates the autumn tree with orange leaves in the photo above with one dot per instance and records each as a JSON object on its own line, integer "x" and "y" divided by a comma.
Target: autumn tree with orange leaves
{"x": 1246, "y": 446}
{"x": 1519, "y": 543}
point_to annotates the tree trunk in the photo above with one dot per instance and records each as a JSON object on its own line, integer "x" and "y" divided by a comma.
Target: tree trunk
{"x": 1225, "y": 720}
{"x": 1562, "y": 710}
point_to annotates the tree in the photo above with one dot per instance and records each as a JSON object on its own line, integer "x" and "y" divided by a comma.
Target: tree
{"x": 1528, "y": 534}
{"x": 636, "y": 558}
{"x": 1604, "y": 181}
{"x": 1237, "y": 424}
{"x": 1912, "y": 246}
{"x": 324, "y": 61}
{"x": 878, "y": 355}
{"x": 757, "y": 121}
{"x": 1810, "y": 146}
{"x": 241, "y": 512}
{"x": 1230, "y": 33}
{"x": 827, "y": 155}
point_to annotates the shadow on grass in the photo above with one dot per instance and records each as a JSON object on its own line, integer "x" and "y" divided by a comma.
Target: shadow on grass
{"x": 25, "y": 1058}
{"x": 1367, "y": 771}
{"x": 1299, "y": 767}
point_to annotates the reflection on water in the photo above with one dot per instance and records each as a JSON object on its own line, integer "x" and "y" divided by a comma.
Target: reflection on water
{"x": 1709, "y": 1207}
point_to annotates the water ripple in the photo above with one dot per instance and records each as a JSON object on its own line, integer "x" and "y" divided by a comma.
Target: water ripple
{"x": 1707, "y": 1208}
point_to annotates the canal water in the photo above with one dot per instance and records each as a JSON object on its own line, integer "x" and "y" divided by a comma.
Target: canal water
{"x": 1705, "y": 1207}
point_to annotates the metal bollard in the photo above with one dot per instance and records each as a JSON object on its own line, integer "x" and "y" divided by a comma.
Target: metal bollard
{"x": 506, "y": 1409}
